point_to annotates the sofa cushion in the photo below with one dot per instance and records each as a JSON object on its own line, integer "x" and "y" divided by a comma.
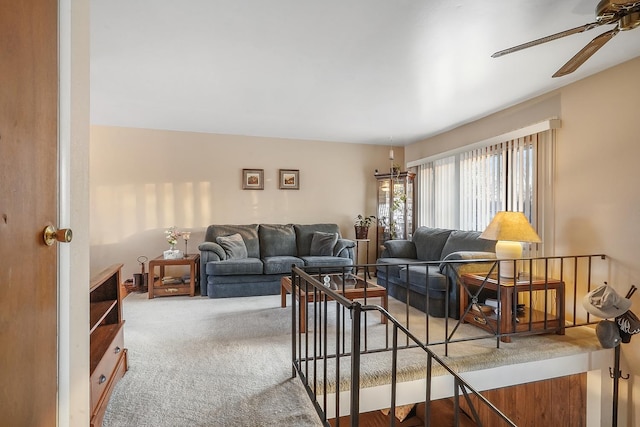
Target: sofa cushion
{"x": 421, "y": 277}
{"x": 326, "y": 261}
{"x": 233, "y": 246}
{"x": 467, "y": 241}
{"x": 322, "y": 244}
{"x": 391, "y": 266}
{"x": 249, "y": 234}
{"x": 233, "y": 267}
{"x": 277, "y": 240}
{"x": 400, "y": 249}
{"x": 243, "y": 285}
{"x": 429, "y": 242}
{"x": 304, "y": 235}
{"x": 281, "y": 264}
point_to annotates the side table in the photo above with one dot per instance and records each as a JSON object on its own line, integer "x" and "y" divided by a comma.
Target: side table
{"x": 366, "y": 242}
{"x": 156, "y": 288}
{"x": 531, "y": 319}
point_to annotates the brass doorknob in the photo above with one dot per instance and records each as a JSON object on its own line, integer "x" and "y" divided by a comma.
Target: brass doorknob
{"x": 52, "y": 234}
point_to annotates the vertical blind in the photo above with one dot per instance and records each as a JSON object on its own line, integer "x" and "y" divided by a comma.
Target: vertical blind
{"x": 467, "y": 189}
{"x": 497, "y": 178}
{"x": 436, "y": 200}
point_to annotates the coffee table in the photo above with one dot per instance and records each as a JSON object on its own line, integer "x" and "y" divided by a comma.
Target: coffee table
{"x": 353, "y": 288}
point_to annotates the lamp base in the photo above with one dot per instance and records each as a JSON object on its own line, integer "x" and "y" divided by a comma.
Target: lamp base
{"x": 508, "y": 250}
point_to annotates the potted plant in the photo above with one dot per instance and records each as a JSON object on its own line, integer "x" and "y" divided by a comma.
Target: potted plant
{"x": 362, "y": 225}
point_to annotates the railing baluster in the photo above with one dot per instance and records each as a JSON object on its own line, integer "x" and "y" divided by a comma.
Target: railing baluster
{"x": 355, "y": 364}
{"x": 394, "y": 376}
{"x": 456, "y": 403}
{"x": 325, "y": 359}
{"x": 427, "y": 401}
{"x": 337, "y": 381}
{"x": 293, "y": 325}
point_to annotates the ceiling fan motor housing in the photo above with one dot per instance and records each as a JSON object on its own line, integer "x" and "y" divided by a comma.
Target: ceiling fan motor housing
{"x": 614, "y": 9}
{"x": 630, "y": 21}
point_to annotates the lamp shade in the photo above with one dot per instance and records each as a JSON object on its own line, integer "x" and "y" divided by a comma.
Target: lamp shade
{"x": 509, "y": 229}
{"x": 510, "y": 226}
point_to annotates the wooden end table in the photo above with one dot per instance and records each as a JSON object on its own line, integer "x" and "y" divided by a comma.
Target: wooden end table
{"x": 354, "y": 288}
{"x": 156, "y": 288}
{"x": 530, "y": 320}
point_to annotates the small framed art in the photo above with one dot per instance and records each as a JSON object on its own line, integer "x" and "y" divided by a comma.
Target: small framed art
{"x": 253, "y": 179}
{"x": 289, "y": 179}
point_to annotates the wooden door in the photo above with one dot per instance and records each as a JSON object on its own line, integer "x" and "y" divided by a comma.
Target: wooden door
{"x": 28, "y": 202}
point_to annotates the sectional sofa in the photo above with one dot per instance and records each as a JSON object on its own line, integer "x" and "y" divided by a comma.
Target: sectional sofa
{"x": 246, "y": 260}
{"x": 426, "y": 263}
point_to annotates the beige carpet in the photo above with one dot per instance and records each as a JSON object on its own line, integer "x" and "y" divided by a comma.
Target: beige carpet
{"x": 462, "y": 357}
{"x": 227, "y": 362}
{"x": 208, "y": 362}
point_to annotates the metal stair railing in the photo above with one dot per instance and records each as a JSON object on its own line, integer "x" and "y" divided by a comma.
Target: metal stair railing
{"x": 315, "y": 350}
{"x": 327, "y": 355}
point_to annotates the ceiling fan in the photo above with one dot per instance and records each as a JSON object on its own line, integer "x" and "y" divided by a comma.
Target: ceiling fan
{"x": 625, "y": 14}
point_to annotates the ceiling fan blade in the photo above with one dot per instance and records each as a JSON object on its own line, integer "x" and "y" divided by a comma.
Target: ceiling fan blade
{"x": 585, "y": 53}
{"x": 546, "y": 39}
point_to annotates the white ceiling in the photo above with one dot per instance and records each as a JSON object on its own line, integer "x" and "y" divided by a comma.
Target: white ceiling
{"x": 362, "y": 71}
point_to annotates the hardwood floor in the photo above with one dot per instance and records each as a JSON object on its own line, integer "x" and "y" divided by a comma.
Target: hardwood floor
{"x": 441, "y": 416}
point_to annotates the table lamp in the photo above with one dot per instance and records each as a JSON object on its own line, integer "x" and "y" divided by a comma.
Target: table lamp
{"x": 510, "y": 229}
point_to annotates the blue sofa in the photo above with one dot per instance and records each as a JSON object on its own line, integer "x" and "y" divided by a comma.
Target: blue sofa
{"x": 247, "y": 260}
{"x": 426, "y": 263}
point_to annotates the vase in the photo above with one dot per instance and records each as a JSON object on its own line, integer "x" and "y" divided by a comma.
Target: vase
{"x": 172, "y": 253}
{"x": 361, "y": 231}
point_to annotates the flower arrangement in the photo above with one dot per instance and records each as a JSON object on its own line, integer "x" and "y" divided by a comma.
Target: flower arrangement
{"x": 172, "y": 236}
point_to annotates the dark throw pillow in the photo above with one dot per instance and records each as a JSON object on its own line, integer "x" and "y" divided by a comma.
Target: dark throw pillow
{"x": 322, "y": 243}
{"x": 233, "y": 246}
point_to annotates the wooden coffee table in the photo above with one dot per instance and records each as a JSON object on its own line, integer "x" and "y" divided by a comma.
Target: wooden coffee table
{"x": 353, "y": 288}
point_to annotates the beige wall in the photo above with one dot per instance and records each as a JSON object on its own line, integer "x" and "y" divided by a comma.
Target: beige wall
{"x": 597, "y": 201}
{"x": 144, "y": 181}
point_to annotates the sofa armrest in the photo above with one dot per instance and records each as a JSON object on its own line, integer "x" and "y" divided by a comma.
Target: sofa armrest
{"x": 342, "y": 247}
{"x": 453, "y": 269}
{"x": 468, "y": 267}
{"x": 211, "y": 251}
{"x": 400, "y": 249}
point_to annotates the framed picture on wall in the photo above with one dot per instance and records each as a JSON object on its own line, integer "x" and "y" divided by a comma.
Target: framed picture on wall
{"x": 253, "y": 179}
{"x": 289, "y": 179}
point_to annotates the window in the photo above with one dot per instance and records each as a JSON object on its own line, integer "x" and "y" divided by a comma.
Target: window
{"x": 497, "y": 178}
{"x": 465, "y": 189}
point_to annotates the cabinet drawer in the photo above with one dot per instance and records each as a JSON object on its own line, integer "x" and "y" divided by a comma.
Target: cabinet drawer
{"x": 166, "y": 290}
{"x": 97, "y": 414}
{"x": 101, "y": 377}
